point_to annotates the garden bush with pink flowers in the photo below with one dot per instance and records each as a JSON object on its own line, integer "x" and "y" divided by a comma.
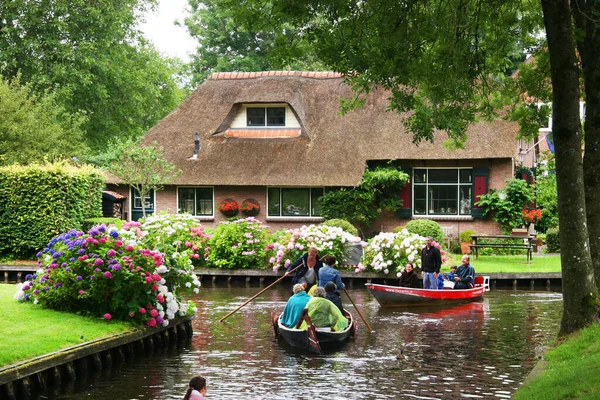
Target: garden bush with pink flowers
{"x": 107, "y": 273}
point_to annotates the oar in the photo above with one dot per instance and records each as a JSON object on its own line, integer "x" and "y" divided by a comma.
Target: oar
{"x": 262, "y": 291}
{"x": 358, "y": 311}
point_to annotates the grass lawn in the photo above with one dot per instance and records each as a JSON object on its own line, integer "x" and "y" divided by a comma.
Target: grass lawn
{"x": 29, "y": 330}
{"x": 508, "y": 264}
{"x": 572, "y": 370}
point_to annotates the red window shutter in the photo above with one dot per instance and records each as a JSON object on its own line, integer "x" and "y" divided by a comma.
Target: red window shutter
{"x": 480, "y": 186}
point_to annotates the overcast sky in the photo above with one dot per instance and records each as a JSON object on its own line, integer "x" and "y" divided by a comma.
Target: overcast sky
{"x": 168, "y": 38}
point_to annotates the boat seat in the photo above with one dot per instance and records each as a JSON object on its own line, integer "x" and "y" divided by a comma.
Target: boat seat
{"x": 481, "y": 280}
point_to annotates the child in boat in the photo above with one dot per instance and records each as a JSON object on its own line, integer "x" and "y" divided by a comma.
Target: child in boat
{"x": 449, "y": 282}
{"x": 196, "y": 389}
{"x": 333, "y": 295}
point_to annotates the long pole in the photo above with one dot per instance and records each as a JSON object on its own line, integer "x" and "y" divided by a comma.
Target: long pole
{"x": 262, "y": 291}
{"x": 358, "y": 311}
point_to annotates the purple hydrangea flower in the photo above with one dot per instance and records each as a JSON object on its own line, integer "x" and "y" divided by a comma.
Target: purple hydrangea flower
{"x": 114, "y": 234}
{"x": 81, "y": 251}
{"x": 78, "y": 278}
{"x": 27, "y": 296}
{"x": 36, "y": 291}
{"x": 57, "y": 285}
{"x": 67, "y": 269}
{"x": 98, "y": 261}
{"x": 39, "y": 254}
{"x": 28, "y": 277}
{"x": 45, "y": 288}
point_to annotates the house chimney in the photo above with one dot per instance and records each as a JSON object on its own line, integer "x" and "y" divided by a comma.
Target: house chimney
{"x": 196, "y": 145}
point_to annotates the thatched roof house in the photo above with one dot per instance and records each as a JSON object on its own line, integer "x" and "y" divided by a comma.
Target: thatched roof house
{"x": 283, "y": 129}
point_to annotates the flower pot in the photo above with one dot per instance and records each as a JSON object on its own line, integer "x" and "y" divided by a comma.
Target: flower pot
{"x": 250, "y": 207}
{"x": 465, "y": 247}
{"x": 230, "y": 213}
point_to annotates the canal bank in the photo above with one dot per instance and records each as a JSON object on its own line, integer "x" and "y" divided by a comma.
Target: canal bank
{"x": 23, "y": 379}
{"x": 216, "y": 277}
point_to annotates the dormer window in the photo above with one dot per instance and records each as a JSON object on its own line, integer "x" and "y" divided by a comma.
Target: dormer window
{"x": 265, "y": 116}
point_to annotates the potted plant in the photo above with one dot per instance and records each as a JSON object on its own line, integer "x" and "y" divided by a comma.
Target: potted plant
{"x": 250, "y": 207}
{"x": 466, "y": 240}
{"x": 531, "y": 217}
{"x": 229, "y": 207}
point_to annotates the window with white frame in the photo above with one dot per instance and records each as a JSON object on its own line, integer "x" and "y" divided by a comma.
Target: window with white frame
{"x": 547, "y": 125}
{"x": 195, "y": 200}
{"x": 442, "y": 191}
{"x": 294, "y": 202}
{"x": 265, "y": 116}
{"x": 148, "y": 200}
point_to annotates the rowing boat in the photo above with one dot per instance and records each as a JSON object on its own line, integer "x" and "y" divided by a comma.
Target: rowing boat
{"x": 396, "y": 296}
{"x": 312, "y": 338}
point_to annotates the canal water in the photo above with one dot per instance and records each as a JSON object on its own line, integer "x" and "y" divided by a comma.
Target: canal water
{"x": 476, "y": 350}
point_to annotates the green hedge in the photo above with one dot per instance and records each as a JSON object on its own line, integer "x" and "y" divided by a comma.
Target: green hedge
{"x": 426, "y": 227}
{"x": 38, "y": 202}
{"x": 88, "y": 223}
{"x": 342, "y": 223}
{"x": 552, "y": 241}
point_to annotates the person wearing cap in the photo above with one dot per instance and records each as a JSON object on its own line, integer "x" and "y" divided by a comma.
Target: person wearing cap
{"x": 330, "y": 274}
{"x": 333, "y": 295}
{"x": 294, "y": 306}
{"x": 311, "y": 264}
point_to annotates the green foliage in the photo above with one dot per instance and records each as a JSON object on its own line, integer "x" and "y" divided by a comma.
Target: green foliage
{"x": 378, "y": 190}
{"x": 552, "y": 240}
{"x": 226, "y": 45}
{"x": 505, "y": 205}
{"x": 239, "y": 244}
{"x": 546, "y": 194}
{"x": 145, "y": 169}
{"x": 342, "y": 223}
{"x": 426, "y": 227}
{"x": 88, "y": 223}
{"x": 38, "y": 202}
{"x": 465, "y": 236}
{"x": 93, "y": 57}
{"x": 36, "y": 127}
{"x": 399, "y": 228}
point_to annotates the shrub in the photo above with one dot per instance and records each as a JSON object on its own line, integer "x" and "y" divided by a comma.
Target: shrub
{"x": 455, "y": 248}
{"x": 342, "y": 223}
{"x": 389, "y": 252}
{"x": 295, "y": 242}
{"x": 104, "y": 273}
{"x": 552, "y": 240}
{"x": 465, "y": 236}
{"x": 426, "y": 227}
{"x": 39, "y": 202}
{"x": 506, "y": 204}
{"x": 239, "y": 244}
{"x": 88, "y": 223}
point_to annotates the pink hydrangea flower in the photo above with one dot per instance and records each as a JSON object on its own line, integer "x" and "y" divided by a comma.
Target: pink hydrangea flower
{"x": 129, "y": 247}
{"x": 160, "y": 298}
{"x": 142, "y": 310}
{"x": 107, "y": 316}
{"x": 151, "y": 322}
{"x": 153, "y": 313}
{"x": 107, "y": 274}
{"x": 81, "y": 292}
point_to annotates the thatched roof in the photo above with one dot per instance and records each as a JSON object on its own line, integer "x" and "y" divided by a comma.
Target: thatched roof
{"x": 330, "y": 150}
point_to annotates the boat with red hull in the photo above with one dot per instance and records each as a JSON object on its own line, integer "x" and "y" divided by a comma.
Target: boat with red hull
{"x": 397, "y": 296}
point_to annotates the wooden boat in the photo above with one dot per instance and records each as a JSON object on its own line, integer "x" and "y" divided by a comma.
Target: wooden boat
{"x": 312, "y": 339}
{"x": 396, "y": 296}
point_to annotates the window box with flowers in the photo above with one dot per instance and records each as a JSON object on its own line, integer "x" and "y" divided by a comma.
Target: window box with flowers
{"x": 250, "y": 207}
{"x": 229, "y": 207}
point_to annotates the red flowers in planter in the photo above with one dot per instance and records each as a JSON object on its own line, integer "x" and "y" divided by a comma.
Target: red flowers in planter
{"x": 531, "y": 216}
{"x": 228, "y": 207}
{"x": 250, "y": 207}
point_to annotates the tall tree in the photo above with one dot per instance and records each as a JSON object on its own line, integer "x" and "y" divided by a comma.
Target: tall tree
{"x": 92, "y": 57}
{"x": 445, "y": 60}
{"x": 224, "y": 45}
{"x": 34, "y": 127}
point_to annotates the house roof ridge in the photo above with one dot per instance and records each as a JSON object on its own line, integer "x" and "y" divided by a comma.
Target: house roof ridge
{"x": 262, "y": 74}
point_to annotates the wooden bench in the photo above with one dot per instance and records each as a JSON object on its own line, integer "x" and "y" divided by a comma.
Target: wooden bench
{"x": 526, "y": 243}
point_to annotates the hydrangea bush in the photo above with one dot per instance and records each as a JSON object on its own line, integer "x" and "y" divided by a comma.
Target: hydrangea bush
{"x": 239, "y": 244}
{"x": 295, "y": 242}
{"x": 104, "y": 272}
{"x": 390, "y": 251}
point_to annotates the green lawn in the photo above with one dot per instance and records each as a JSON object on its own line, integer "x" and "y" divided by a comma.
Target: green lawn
{"x": 571, "y": 372}
{"x": 29, "y": 330}
{"x": 508, "y": 264}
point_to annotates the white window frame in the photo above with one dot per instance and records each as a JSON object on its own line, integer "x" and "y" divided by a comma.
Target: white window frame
{"x": 266, "y": 125}
{"x": 212, "y": 188}
{"x": 427, "y": 200}
{"x": 310, "y": 205}
{"x": 135, "y": 195}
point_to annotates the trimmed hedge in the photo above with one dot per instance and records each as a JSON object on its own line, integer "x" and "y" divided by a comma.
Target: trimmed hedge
{"x": 88, "y": 223}
{"x": 38, "y": 202}
{"x": 552, "y": 241}
{"x": 342, "y": 223}
{"x": 426, "y": 227}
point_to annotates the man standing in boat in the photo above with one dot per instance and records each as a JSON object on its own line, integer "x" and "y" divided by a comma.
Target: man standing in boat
{"x": 431, "y": 261}
{"x": 465, "y": 274}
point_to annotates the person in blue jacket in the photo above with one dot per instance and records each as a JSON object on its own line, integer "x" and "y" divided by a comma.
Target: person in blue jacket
{"x": 294, "y": 306}
{"x": 330, "y": 274}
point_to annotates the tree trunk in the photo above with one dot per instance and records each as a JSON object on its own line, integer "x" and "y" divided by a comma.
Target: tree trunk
{"x": 579, "y": 289}
{"x": 588, "y": 45}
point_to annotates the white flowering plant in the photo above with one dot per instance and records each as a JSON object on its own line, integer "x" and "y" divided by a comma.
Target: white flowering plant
{"x": 295, "y": 242}
{"x": 388, "y": 252}
{"x": 239, "y": 243}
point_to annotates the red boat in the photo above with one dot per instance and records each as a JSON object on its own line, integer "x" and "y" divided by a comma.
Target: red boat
{"x": 396, "y": 296}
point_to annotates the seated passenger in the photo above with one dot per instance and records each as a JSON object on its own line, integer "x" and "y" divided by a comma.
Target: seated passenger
{"x": 294, "y": 306}
{"x": 324, "y": 314}
{"x": 333, "y": 295}
{"x": 328, "y": 273}
{"x": 465, "y": 274}
{"x": 452, "y": 273}
{"x": 409, "y": 278}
